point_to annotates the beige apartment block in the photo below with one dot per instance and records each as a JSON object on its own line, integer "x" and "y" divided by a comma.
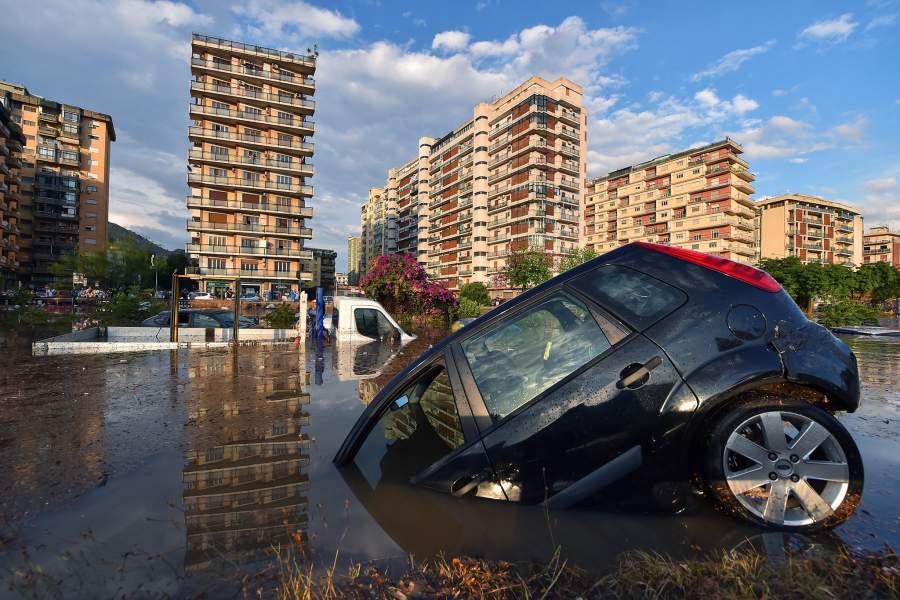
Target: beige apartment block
{"x": 811, "y": 228}
{"x": 378, "y": 220}
{"x": 12, "y": 143}
{"x": 697, "y": 199}
{"x": 64, "y": 193}
{"x": 509, "y": 178}
{"x": 250, "y": 111}
{"x": 882, "y": 245}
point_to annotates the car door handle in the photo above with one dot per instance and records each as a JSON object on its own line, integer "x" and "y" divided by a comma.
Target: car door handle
{"x": 636, "y": 372}
{"x": 464, "y": 485}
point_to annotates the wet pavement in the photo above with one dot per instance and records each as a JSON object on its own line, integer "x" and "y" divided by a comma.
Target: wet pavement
{"x": 177, "y": 473}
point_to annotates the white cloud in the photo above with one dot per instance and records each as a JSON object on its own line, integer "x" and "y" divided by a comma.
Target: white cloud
{"x": 797, "y": 160}
{"x": 833, "y": 30}
{"x": 881, "y": 21}
{"x": 881, "y": 202}
{"x": 738, "y": 105}
{"x": 453, "y": 41}
{"x": 282, "y": 22}
{"x": 788, "y": 124}
{"x": 507, "y": 47}
{"x": 732, "y": 61}
{"x": 883, "y": 184}
{"x": 852, "y": 131}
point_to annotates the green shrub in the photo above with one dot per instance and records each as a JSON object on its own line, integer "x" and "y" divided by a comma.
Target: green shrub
{"x": 468, "y": 309}
{"x": 282, "y": 317}
{"x": 846, "y": 312}
{"x": 128, "y": 309}
{"x": 476, "y": 292}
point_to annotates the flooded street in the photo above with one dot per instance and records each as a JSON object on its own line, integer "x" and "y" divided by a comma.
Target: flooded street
{"x": 176, "y": 473}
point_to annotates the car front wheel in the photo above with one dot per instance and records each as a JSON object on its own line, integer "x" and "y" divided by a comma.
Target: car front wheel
{"x": 788, "y": 465}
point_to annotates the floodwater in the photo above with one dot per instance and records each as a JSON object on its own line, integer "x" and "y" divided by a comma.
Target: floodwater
{"x": 178, "y": 473}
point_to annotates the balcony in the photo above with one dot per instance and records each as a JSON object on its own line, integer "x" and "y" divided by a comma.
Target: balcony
{"x": 294, "y": 167}
{"x": 48, "y": 131}
{"x": 248, "y": 95}
{"x": 283, "y": 78}
{"x": 244, "y": 139}
{"x": 292, "y": 123}
{"x": 256, "y": 51}
{"x": 305, "y": 212}
{"x": 265, "y": 250}
{"x": 844, "y": 228}
{"x": 257, "y": 274}
{"x": 303, "y": 232}
{"x": 48, "y": 117}
{"x": 247, "y": 183}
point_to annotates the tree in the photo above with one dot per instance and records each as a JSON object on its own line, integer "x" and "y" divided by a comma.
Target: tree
{"x": 802, "y": 282}
{"x": 468, "y": 308}
{"x": 878, "y": 281}
{"x": 526, "y": 268}
{"x": 476, "y": 291}
{"x": 575, "y": 257}
{"x": 401, "y": 285}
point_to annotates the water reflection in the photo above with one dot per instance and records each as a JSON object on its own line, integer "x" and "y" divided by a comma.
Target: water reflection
{"x": 243, "y": 476}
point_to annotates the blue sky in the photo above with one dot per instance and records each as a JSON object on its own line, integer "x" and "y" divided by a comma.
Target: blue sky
{"x": 811, "y": 89}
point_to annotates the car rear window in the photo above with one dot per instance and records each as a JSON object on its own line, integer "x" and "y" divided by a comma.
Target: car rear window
{"x": 637, "y": 298}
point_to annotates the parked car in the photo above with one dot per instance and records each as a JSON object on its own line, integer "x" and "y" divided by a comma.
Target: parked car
{"x": 201, "y": 296}
{"x": 361, "y": 320}
{"x": 200, "y": 318}
{"x": 649, "y": 359}
{"x": 250, "y": 297}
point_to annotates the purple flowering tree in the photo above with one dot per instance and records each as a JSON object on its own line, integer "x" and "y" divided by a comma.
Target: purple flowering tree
{"x": 402, "y": 286}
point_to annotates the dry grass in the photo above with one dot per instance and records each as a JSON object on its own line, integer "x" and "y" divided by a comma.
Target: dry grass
{"x": 638, "y": 575}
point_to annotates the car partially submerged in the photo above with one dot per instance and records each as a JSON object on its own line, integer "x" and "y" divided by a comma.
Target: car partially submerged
{"x": 647, "y": 359}
{"x": 205, "y": 318}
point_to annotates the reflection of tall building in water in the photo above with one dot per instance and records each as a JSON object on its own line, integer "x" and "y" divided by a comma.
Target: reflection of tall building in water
{"x": 243, "y": 474}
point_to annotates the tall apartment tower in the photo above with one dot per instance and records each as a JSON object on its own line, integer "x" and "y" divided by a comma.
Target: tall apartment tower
{"x": 812, "y": 228}
{"x": 509, "y": 178}
{"x": 64, "y": 193}
{"x": 354, "y": 258}
{"x": 250, "y": 110}
{"x": 12, "y": 143}
{"x": 697, "y": 199}
{"x": 882, "y": 245}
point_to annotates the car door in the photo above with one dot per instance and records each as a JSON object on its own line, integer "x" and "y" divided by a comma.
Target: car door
{"x": 564, "y": 395}
{"x": 422, "y": 433}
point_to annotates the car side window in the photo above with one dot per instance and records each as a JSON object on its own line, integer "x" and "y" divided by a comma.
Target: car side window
{"x": 638, "y": 299}
{"x": 201, "y": 320}
{"x": 518, "y": 358}
{"x": 161, "y": 320}
{"x": 372, "y": 323}
{"x": 418, "y": 428}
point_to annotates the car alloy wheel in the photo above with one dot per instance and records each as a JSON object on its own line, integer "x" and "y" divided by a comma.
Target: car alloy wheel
{"x": 786, "y": 468}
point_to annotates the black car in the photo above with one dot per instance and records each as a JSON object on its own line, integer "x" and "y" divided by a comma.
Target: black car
{"x": 649, "y": 359}
{"x": 199, "y": 318}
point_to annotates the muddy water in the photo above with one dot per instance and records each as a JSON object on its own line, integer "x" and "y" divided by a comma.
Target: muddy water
{"x": 178, "y": 473}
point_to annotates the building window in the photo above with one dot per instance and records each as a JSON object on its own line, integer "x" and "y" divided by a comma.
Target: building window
{"x": 91, "y": 215}
{"x": 71, "y": 116}
{"x": 90, "y": 228}
{"x": 91, "y": 189}
{"x": 90, "y": 201}
{"x": 90, "y": 241}
{"x": 215, "y": 263}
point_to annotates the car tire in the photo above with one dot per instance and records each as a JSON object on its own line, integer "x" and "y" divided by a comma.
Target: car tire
{"x": 809, "y": 477}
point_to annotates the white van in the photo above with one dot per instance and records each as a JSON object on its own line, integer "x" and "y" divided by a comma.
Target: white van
{"x": 363, "y": 320}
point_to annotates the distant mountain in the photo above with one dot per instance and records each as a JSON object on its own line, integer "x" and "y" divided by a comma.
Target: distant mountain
{"x": 118, "y": 233}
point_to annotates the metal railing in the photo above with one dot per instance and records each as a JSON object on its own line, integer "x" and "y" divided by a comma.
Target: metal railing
{"x": 291, "y": 121}
{"x": 257, "y": 50}
{"x": 267, "y": 250}
{"x": 280, "y": 76}
{"x": 243, "y": 92}
{"x": 250, "y": 183}
{"x": 301, "y": 168}
{"x": 305, "y": 212}
{"x": 249, "y": 227}
{"x": 259, "y": 140}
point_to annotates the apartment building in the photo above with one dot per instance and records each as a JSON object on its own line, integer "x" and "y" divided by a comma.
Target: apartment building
{"x": 354, "y": 259}
{"x": 882, "y": 245}
{"x": 509, "y": 178}
{"x": 811, "y": 228}
{"x": 697, "y": 199}
{"x": 321, "y": 267}
{"x": 12, "y": 143}
{"x": 64, "y": 192}
{"x": 249, "y": 164}
{"x": 379, "y": 227}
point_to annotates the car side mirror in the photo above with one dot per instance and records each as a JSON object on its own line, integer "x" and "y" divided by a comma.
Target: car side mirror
{"x": 400, "y": 402}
